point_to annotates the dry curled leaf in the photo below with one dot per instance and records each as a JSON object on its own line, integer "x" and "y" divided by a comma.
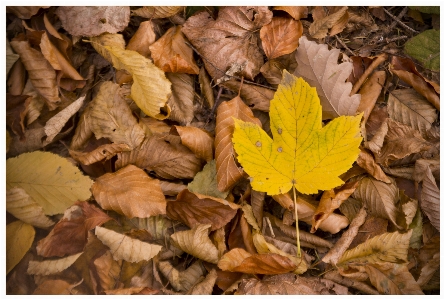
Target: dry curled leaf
{"x": 182, "y": 280}
{"x": 228, "y": 173}
{"x": 16, "y": 110}
{"x": 182, "y": 98}
{"x": 103, "y": 152}
{"x": 367, "y": 162}
{"x": 319, "y": 28}
{"x": 205, "y": 287}
{"x": 125, "y": 248}
{"x": 48, "y": 267}
{"x": 131, "y": 192}
{"x": 256, "y": 97}
{"x": 197, "y": 140}
{"x": 143, "y": 38}
{"x": 24, "y": 12}
{"x": 157, "y": 12}
{"x": 430, "y": 198}
{"x": 56, "y": 287}
{"x": 318, "y": 66}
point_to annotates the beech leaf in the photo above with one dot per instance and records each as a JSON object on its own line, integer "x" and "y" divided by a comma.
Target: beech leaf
{"x": 19, "y": 238}
{"x": 182, "y": 280}
{"x": 280, "y": 36}
{"x": 319, "y": 28}
{"x": 197, "y": 140}
{"x": 105, "y": 151}
{"x": 49, "y": 267}
{"x": 302, "y": 149}
{"x": 157, "y": 12}
{"x": 125, "y": 248}
{"x": 317, "y": 65}
{"x": 430, "y": 198}
{"x": 182, "y": 97}
{"x": 52, "y": 181}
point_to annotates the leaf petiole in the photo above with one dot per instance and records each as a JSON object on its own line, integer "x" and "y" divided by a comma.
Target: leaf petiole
{"x": 298, "y": 242}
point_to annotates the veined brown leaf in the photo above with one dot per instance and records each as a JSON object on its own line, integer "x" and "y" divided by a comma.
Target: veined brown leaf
{"x": 197, "y": 140}
{"x": 205, "y": 287}
{"x": 388, "y": 247}
{"x": 319, "y": 28}
{"x": 429, "y": 270}
{"x": 410, "y": 108}
{"x": 430, "y": 198}
{"x": 171, "y": 189}
{"x": 366, "y": 161}
{"x": 103, "y": 152}
{"x": 157, "y": 12}
{"x": 420, "y": 169}
{"x": 182, "y": 98}
{"x": 249, "y": 216}
{"x": 49, "y": 267}
{"x": 19, "y": 238}
{"x": 107, "y": 272}
{"x": 171, "y": 54}
{"x": 280, "y": 36}
{"x": 131, "y": 192}
{"x": 24, "y": 12}
{"x": 126, "y": 248}
{"x": 228, "y": 173}
{"x": 143, "y": 38}
{"x": 184, "y": 280}
{"x": 256, "y": 97}
{"x": 205, "y": 182}
{"x": 317, "y": 65}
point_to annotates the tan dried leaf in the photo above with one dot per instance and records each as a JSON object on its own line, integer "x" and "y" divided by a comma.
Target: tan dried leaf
{"x": 420, "y": 169}
{"x": 169, "y": 161}
{"x": 297, "y": 12}
{"x": 319, "y": 28}
{"x": 182, "y": 280}
{"x": 248, "y": 215}
{"x": 157, "y": 12}
{"x": 107, "y": 272}
{"x": 143, "y": 38}
{"x": 205, "y": 87}
{"x": 280, "y": 36}
{"x": 205, "y": 182}
{"x": 16, "y": 109}
{"x": 49, "y": 267}
{"x": 228, "y": 173}
{"x": 126, "y": 248}
{"x": 197, "y": 140}
{"x": 103, "y": 152}
{"x": 257, "y": 204}
{"x": 171, "y": 54}
{"x": 19, "y": 238}
{"x": 56, "y": 287}
{"x": 197, "y": 243}
{"x": 24, "y": 12}
{"x": 93, "y": 20}
{"x": 41, "y": 73}
{"x": 410, "y": 108}
{"x": 388, "y": 247}
{"x": 429, "y": 270}
{"x": 375, "y": 144}
{"x": 171, "y": 189}
{"x": 229, "y": 39}
{"x": 318, "y": 66}
{"x": 131, "y": 192}
{"x": 182, "y": 98}
{"x": 256, "y": 97}
{"x": 23, "y": 207}
{"x": 205, "y": 287}
{"x": 11, "y": 57}
{"x": 366, "y": 161}
{"x": 430, "y": 198}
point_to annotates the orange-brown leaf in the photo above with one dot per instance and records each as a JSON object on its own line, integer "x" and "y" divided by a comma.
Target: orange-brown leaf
{"x": 105, "y": 151}
{"x": 319, "y": 28}
{"x": 142, "y": 39}
{"x": 280, "y": 36}
{"x": 197, "y": 140}
{"x": 131, "y": 192}
{"x": 182, "y": 97}
{"x": 366, "y": 161}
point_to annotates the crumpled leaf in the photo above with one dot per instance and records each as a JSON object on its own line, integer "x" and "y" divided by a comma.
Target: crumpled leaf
{"x": 23, "y": 207}
{"x": 228, "y": 173}
{"x": 366, "y": 161}
{"x": 24, "y": 12}
{"x": 199, "y": 141}
{"x": 205, "y": 87}
{"x": 298, "y": 139}
{"x": 56, "y": 287}
{"x": 319, "y": 28}
{"x": 16, "y": 110}
{"x": 143, "y": 38}
{"x": 420, "y": 169}
{"x": 280, "y": 36}
{"x": 69, "y": 235}
{"x": 205, "y": 287}
{"x": 410, "y": 108}
{"x": 107, "y": 272}
{"x": 19, "y": 238}
{"x": 205, "y": 182}
{"x": 167, "y": 160}
{"x": 126, "y": 248}
{"x": 41, "y": 73}
{"x": 182, "y": 98}
{"x": 429, "y": 270}
{"x": 11, "y": 57}
{"x": 317, "y": 65}
{"x": 52, "y": 181}
{"x": 249, "y": 216}
{"x": 425, "y": 48}
{"x": 256, "y": 97}
{"x": 103, "y": 152}
{"x": 93, "y": 20}
{"x": 430, "y": 198}
{"x": 157, "y": 12}
{"x": 388, "y": 247}
{"x": 150, "y": 89}
{"x": 171, "y": 189}
{"x": 182, "y": 280}
{"x": 197, "y": 243}
{"x": 48, "y": 267}
{"x": 229, "y": 39}
{"x": 171, "y": 54}
{"x": 131, "y": 192}
{"x": 282, "y": 284}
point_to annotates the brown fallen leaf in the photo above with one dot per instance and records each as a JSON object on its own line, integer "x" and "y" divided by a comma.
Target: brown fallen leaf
{"x": 430, "y": 199}
{"x": 319, "y": 28}
{"x": 317, "y": 65}
{"x": 280, "y": 36}
{"x": 157, "y": 12}
{"x": 32, "y": 142}
{"x": 229, "y": 39}
{"x": 16, "y": 109}
{"x": 205, "y": 87}
{"x": 367, "y": 162}
{"x": 405, "y": 69}
{"x": 24, "y": 12}
{"x": 16, "y": 79}
{"x": 167, "y": 160}
{"x": 240, "y": 234}
{"x": 41, "y": 73}
{"x": 360, "y": 286}
{"x": 93, "y": 20}
{"x": 193, "y": 211}
{"x": 131, "y": 192}
{"x": 372, "y": 227}
{"x": 103, "y": 152}
{"x": 107, "y": 272}
{"x": 228, "y": 173}
{"x": 182, "y": 280}
{"x": 420, "y": 169}
{"x": 205, "y": 287}
{"x": 171, "y": 54}
{"x": 297, "y": 12}
{"x": 55, "y": 287}
{"x": 143, "y": 38}
{"x": 429, "y": 270}
{"x": 48, "y": 267}
{"x": 182, "y": 98}
{"x": 69, "y": 235}
{"x": 197, "y": 140}
{"x": 256, "y": 97}
{"x": 330, "y": 201}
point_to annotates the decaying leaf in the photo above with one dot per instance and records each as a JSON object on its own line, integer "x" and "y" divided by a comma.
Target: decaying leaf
{"x": 299, "y": 138}
{"x": 280, "y": 36}
{"x": 256, "y": 97}
{"x": 430, "y": 199}
{"x": 56, "y": 287}
{"x": 157, "y": 12}
{"x": 366, "y": 161}
{"x": 429, "y": 270}
{"x": 11, "y": 57}
{"x": 103, "y": 152}
{"x": 23, "y": 207}
{"x": 126, "y": 248}
{"x": 19, "y": 238}
{"x": 131, "y": 192}
{"x": 197, "y": 243}
{"x": 143, "y": 38}
{"x": 228, "y": 173}
{"x": 425, "y": 48}
{"x": 197, "y": 140}
{"x": 319, "y": 28}
{"x": 49, "y": 267}
{"x": 24, "y": 12}
{"x": 318, "y": 66}
{"x": 16, "y": 109}
{"x": 93, "y": 20}
{"x": 182, "y": 280}
{"x": 69, "y": 235}
{"x": 205, "y": 287}
{"x": 182, "y": 97}
{"x": 205, "y": 182}
{"x": 52, "y": 181}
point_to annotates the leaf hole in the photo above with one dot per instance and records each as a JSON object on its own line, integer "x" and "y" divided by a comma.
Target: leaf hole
{"x": 114, "y": 130}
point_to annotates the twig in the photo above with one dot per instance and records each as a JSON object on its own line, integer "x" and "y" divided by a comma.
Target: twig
{"x": 399, "y": 21}
{"x": 380, "y": 59}
{"x": 401, "y": 14}
{"x": 344, "y": 45}
{"x": 393, "y": 39}
{"x": 235, "y": 77}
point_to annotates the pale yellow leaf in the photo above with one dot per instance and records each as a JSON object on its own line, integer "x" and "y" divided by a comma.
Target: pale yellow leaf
{"x": 19, "y": 238}
{"x": 52, "y": 181}
{"x": 23, "y": 207}
{"x": 126, "y": 248}
{"x": 48, "y": 267}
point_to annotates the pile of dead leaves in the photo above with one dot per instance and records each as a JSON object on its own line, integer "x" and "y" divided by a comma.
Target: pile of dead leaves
{"x": 122, "y": 173}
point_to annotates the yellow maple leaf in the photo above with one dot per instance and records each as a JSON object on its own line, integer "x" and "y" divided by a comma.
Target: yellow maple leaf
{"x": 302, "y": 155}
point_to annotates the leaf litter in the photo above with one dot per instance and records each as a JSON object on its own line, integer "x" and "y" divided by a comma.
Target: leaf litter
{"x": 128, "y": 171}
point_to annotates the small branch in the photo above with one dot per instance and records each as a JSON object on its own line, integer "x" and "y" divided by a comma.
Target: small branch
{"x": 397, "y": 19}
{"x": 298, "y": 242}
{"x": 344, "y": 45}
{"x": 380, "y": 59}
{"x": 393, "y": 39}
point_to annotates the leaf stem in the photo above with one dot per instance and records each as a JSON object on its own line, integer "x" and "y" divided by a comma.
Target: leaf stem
{"x": 298, "y": 242}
